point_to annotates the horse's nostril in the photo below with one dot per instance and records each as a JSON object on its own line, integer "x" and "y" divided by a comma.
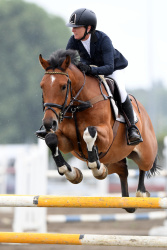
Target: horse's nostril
{"x": 47, "y": 124}
{"x": 50, "y": 124}
{"x": 54, "y": 125}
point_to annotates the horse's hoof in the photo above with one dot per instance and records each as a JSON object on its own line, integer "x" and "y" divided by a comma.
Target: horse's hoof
{"x": 103, "y": 175}
{"x": 141, "y": 194}
{"x": 79, "y": 176}
{"x": 147, "y": 194}
{"x": 130, "y": 210}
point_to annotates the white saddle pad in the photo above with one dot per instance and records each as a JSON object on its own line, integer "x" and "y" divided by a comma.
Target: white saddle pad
{"x": 118, "y": 116}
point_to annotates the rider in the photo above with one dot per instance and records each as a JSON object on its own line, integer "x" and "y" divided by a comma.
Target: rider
{"x": 95, "y": 48}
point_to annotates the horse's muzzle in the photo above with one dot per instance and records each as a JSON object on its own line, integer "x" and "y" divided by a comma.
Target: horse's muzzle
{"x": 50, "y": 124}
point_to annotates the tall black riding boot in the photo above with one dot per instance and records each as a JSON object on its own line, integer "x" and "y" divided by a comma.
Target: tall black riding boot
{"x": 133, "y": 134}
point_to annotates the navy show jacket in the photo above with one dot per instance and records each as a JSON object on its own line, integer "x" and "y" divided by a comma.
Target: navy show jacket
{"x": 102, "y": 54}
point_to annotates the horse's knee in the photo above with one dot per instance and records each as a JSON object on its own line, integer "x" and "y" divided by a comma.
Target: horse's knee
{"x": 89, "y": 136}
{"x": 51, "y": 141}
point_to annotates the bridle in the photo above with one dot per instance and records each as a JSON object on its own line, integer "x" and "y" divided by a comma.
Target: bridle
{"x": 70, "y": 107}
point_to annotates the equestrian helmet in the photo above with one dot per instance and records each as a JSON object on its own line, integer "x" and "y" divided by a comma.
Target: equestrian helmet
{"x": 83, "y": 17}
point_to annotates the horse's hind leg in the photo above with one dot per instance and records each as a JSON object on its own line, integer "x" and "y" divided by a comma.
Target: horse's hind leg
{"x": 121, "y": 169}
{"x": 72, "y": 174}
{"x": 141, "y": 190}
{"x": 99, "y": 170}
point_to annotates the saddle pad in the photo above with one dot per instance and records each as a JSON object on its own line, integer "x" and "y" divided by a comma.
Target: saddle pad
{"x": 118, "y": 116}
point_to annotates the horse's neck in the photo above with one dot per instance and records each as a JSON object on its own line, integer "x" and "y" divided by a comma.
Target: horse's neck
{"x": 90, "y": 84}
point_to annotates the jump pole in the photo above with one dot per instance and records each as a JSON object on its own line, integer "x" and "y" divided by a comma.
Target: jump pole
{"x": 83, "y": 239}
{"x": 81, "y": 201}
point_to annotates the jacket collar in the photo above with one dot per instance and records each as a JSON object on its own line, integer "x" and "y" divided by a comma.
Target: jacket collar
{"x": 93, "y": 44}
{"x": 93, "y": 38}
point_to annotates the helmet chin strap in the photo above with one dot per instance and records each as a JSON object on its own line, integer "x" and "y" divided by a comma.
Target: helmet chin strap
{"x": 85, "y": 34}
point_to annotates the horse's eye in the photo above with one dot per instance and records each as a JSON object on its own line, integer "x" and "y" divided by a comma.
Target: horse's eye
{"x": 64, "y": 87}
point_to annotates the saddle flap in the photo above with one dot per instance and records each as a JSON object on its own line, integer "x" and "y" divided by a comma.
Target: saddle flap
{"x": 112, "y": 90}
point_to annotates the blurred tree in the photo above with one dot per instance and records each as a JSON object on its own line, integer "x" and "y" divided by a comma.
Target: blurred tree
{"x": 26, "y": 31}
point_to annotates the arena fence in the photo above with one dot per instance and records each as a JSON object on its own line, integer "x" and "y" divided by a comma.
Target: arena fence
{"x": 60, "y": 218}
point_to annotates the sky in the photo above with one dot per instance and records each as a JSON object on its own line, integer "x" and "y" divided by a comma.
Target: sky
{"x": 136, "y": 28}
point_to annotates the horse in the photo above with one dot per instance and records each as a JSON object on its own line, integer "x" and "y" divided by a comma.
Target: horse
{"x": 78, "y": 118}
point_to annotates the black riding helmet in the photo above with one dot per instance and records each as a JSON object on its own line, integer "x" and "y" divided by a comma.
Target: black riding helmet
{"x": 83, "y": 17}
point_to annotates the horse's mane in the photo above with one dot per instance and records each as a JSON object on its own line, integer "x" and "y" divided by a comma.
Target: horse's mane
{"x": 56, "y": 58}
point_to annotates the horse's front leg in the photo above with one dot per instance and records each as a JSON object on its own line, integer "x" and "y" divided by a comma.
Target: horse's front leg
{"x": 72, "y": 174}
{"x": 99, "y": 170}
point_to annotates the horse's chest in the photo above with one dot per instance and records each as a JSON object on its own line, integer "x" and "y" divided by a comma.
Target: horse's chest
{"x": 73, "y": 131}
{"x": 69, "y": 130}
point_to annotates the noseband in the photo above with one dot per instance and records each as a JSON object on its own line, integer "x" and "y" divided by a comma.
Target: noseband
{"x": 64, "y": 108}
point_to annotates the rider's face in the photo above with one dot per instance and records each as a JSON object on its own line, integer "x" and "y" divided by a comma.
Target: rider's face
{"x": 79, "y": 32}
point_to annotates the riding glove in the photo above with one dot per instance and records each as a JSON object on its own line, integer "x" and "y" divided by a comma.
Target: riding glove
{"x": 84, "y": 68}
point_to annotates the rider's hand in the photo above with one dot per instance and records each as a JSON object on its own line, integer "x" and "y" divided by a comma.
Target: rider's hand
{"x": 84, "y": 68}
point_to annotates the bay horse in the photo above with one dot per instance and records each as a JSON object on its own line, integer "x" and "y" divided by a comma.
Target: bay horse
{"x": 78, "y": 118}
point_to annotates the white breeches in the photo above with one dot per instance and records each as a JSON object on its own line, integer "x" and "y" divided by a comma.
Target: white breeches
{"x": 119, "y": 77}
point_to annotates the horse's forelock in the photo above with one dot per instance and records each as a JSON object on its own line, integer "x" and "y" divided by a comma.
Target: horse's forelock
{"x": 56, "y": 58}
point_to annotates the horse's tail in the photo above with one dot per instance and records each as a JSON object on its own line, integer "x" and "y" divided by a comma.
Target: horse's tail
{"x": 154, "y": 170}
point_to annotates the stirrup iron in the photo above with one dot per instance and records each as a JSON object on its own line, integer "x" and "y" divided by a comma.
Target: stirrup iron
{"x": 41, "y": 133}
{"x": 127, "y": 136}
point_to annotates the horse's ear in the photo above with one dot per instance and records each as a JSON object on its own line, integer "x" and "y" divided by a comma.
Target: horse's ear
{"x": 66, "y": 62}
{"x": 43, "y": 62}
